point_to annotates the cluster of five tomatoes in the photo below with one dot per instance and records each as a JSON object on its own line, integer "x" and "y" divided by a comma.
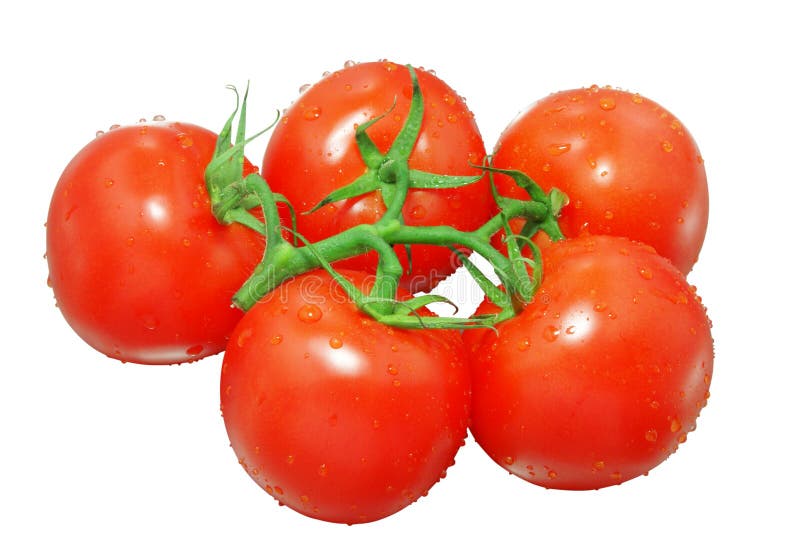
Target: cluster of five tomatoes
{"x": 342, "y": 418}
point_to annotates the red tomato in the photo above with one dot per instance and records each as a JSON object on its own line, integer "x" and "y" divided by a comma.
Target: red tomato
{"x": 336, "y": 415}
{"x": 140, "y": 268}
{"x": 601, "y": 377}
{"x": 628, "y": 165}
{"x": 313, "y": 151}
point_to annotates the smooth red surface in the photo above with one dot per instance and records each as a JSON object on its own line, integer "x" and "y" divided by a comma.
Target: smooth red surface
{"x": 139, "y": 267}
{"x": 336, "y": 415}
{"x": 628, "y": 165}
{"x": 601, "y": 377}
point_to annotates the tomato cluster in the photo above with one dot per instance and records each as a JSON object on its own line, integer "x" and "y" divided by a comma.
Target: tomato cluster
{"x": 336, "y": 404}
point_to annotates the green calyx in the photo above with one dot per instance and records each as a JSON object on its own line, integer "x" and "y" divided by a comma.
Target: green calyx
{"x": 234, "y": 196}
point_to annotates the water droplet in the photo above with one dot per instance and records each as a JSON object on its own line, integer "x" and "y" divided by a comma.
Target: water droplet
{"x": 312, "y": 113}
{"x": 452, "y": 117}
{"x": 130, "y": 241}
{"x": 418, "y": 212}
{"x": 508, "y": 460}
{"x": 376, "y": 424}
{"x": 142, "y": 120}
{"x": 396, "y": 383}
{"x": 392, "y": 370}
{"x": 150, "y": 322}
{"x": 651, "y": 435}
{"x": 279, "y": 490}
{"x": 303, "y": 88}
{"x": 547, "y": 167}
{"x": 550, "y": 333}
{"x": 323, "y": 470}
{"x": 594, "y": 88}
{"x": 636, "y": 98}
{"x": 608, "y": 215}
{"x": 603, "y": 174}
{"x": 349, "y": 63}
{"x": 290, "y": 459}
{"x": 335, "y": 342}
{"x": 599, "y": 465}
{"x": 607, "y": 104}
{"x": 185, "y": 140}
{"x": 98, "y": 133}
{"x": 194, "y": 350}
{"x": 646, "y": 273}
{"x": 552, "y": 475}
{"x": 524, "y": 344}
{"x": 276, "y": 339}
{"x": 600, "y": 306}
{"x": 108, "y": 183}
{"x": 309, "y": 313}
{"x": 186, "y": 242}
{"x": 556, "y": 149}
{"x": 159, "y": 118}
{"x": 667, "y": 146}
{"x": 348, "y": 87}
{"x": 679, "y": 220}
{"x": 113, "y": 127}
{"x": 592, "y": 162}
{"x": 675, "y": 425}
{"x": 571, "y": 330}
{"x": 244, "y": 336}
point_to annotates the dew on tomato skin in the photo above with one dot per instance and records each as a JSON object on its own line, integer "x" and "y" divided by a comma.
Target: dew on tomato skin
{"x": 186, "y": 242}
{"x": 276, "y": 339}
{"x": 303, "y": 88}
{"x": 130, "y": 241}
{"x": 651, "y": 435}
{"x": 599, "y": 465}
{"x": 524, "y": 344}
{"x": 667, "y": 146}
{"x": 312, "y": 113}
{"x": 550, "y": 333}
{"x": 552, "y": 475}
{"x": 607, "y": 104}
{"x": 392, "y": 370}
{"x": 675, "y": 425}
{"x": 608, "y": 215}
{"x": 556, "y": 149}
{"x": 194, "y": 350}
{"x": 244, "y": 336}
{"x": 335, "y": 342}
{"x": 150, "y": 322}
{"x": 185, "y": 140}
{"x": 309, "y": 313}
{"x": 418, "y": 212}
{"x": 646, "y": 273}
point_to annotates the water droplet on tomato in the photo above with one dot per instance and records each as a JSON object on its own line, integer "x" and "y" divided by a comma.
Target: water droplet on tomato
{"x": 349, "y": 63}
{"x": 556, "y": 149}
{"x": 194, "y": 350}
{"x": 185, "y": 140}
{"x": 607, "y": 104}
{"x": 159, "y": 118}
{"x": 651, "y": 435}
{"x": 130, "y": 241}
{"x": 646, "y": 273}
{"x": 113, "y": 127}
{"x": 276, "y": 339}
{"x": 323, "y": 470}
{"x": 599, "y": 465}
{"x": 552, "y": 475}
{"x": 186, "y": 242}
{"x": 600, "y": 306}
{"x": 108, "y": 183}
{"x": 244, "y": 336}
{"x": 303, "y": 88}
{"x": 150, "y": 322}
{"x": 508, "y": 460}
{"x": 335, "y": 342}
{"x": 524, "y": 344}
{"x": 312, "y": 113}
{"x": 452, "y": 117}
{"x": 309, "y": 313}
{"x": 289, "y": 460}
{"x": 675, "y": 425}
{"x": 376, "y": 424}
{"x": 392, "y": 370}
{"x": 418, "y": 212}
{"x": 667, "y": 146}
{"x": 550, "y": 333}
{"x": 608, "y": 215}
{"x": 547, "y": 167}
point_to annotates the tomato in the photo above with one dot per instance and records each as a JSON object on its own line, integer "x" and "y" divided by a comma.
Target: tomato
{"x": 602, "y": 376}
{"x": 139, "y": 267}
{"x": 313, "y": 151}
{"x": 336, "y": 415}
{"x": 629, "y": 167}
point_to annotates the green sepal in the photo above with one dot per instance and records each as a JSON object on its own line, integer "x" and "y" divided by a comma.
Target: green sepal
{"x": 404, "y": 143}
{"x": 492, "y": 291}
{"x": 428, "y": 180}
{"x": 364, "y": 184}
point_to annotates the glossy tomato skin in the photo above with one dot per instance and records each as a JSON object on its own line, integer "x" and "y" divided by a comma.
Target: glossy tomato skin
{"x": 628, "y": 165}
{"x": 313, "y": 151}
{"x": 139, "y": 267}
{"x": 336, "y": 415}
{"x": 601, "y": 377}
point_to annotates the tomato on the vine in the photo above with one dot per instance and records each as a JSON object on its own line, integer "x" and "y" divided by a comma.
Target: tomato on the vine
{"x": 336, "y": 415}
{"x": 313, "y": 152}
{"x": 628, "y": 166}
{"x": 601, "y": 377}
{"x": 139, "y": 266}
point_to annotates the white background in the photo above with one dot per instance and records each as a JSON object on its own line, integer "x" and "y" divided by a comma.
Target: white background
{"x": 97, "y": 455}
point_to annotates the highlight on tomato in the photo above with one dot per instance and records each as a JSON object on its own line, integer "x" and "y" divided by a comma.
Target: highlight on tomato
{"x": 139, "y": 266}
{"x": 313, "y": 151}
{"x": 628, "y": 166}
{"x": 601, "y": 377}
{"x": 335, "y": 414}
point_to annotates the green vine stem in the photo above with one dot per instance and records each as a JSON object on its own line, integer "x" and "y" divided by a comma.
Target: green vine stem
{"x": 233, "y": 197}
